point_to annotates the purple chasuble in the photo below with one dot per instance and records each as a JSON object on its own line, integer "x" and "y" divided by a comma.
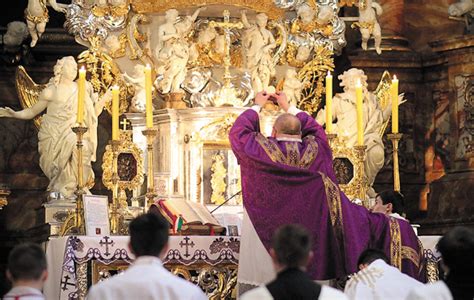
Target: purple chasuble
{"x": 294, "y": 183}
{"x": 403, "y": 248}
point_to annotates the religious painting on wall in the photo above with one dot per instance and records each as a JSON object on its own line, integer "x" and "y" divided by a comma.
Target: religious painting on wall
{"x": 221, "y": 176}
{"x": 442, "y": 132}
{"x": 464, "y": 90}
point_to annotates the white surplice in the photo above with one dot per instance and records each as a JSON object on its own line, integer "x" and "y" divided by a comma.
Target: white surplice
{"x": 380, "y": 281}
{"x": 24, "y": 293}
{"x": 255, "y": 264}
{"x": 146, "y": 278}
{"x": 432, "y": 291}
{"x": 262, "y": 293}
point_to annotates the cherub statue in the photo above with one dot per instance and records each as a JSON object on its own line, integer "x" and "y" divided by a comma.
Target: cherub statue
{"x": 116, "y": 45}
{"x": 375, "y": 118}
{"x": 463, "y": 8}
{"x": 37, "y": 16}
{"x": 310, "y": 20}
{"x": 303, "y": 53}
{"x": 292, "y": 86}
{"x": 138, "y": 80}
{"x": 325, "y": 16}
{"x": 368, "y": 24}
{"x": 208, "y": 48}
{"x": 258, "y": 43}
{"x": 56, "y": 140}
{"x": 172, "y": 51}
{"x": 16, "y": 33}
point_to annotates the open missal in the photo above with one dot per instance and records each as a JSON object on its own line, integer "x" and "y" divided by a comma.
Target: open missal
{"x": 197, "y": 220}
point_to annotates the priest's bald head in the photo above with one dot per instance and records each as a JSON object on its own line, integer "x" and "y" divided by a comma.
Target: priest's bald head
{"x": 287, "y": 125}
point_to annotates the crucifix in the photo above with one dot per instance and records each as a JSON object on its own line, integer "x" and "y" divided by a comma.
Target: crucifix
{"x": 186, "y": 244}
{"x": 124, "y": 123}
{"x": 66, "y": 282}
{"x": 227, "y": 26}
{"x": 108, "y": 242}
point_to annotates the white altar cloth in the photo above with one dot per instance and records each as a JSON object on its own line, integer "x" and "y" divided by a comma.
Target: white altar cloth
{"x": 64, "y": 253}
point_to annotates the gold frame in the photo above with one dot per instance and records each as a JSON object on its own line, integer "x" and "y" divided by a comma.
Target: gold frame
{"x": 212, "y": 136}
{"x": 225, "y": 284}
{"x": 357, "y": 186}
{"x": 128, "y": 147}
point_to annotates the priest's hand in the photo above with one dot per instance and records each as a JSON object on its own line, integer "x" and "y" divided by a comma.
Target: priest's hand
{"x": 282, "y": 100}
{"x": 261, "y": 98}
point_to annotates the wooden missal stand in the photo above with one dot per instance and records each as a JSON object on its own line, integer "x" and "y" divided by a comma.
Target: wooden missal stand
{"x": 197, "y": 220}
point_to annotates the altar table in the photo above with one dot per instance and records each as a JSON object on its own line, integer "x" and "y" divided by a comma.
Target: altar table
{"x": 76, "y": 262}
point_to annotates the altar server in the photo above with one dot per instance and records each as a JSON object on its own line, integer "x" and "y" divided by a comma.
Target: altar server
{"x": 27, "y": 272}
{"x": 406, "y": 251}
{"x": 147, "y": 278}
{"x": 457, "y": 254}
{"x": 377, "y": 279}
{"x": 291, "y": 252}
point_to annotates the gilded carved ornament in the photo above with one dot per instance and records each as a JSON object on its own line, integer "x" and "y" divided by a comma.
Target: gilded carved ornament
{"x": 151, "y": 6}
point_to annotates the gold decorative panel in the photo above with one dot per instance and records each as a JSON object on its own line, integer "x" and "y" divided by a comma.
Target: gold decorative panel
{"x": 153, "y": 6}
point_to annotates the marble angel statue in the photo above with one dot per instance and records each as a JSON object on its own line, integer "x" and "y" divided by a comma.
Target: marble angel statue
{"x": 56, "y": 140}
{"x": 258, "y": 44}
{"x": 138, "y": 81}
{"x": 36, "y": 15}
{"x": 368, "y": 24}
{"x": 172, "y": 52}
{"x": 376, "y": 114}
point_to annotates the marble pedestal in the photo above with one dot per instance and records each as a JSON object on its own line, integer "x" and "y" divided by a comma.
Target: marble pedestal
{"x": 54, "y": 214}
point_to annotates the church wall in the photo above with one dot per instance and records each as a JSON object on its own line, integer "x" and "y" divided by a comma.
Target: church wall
{"x": 448, "y": 155}
{"x": 427, "y": 21}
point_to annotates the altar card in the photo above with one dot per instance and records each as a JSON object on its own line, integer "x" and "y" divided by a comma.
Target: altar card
{"x": 96, "y": 215}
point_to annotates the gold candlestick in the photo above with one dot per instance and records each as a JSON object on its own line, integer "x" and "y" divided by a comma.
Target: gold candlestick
{"x": 395, "y": 138}
{"x": 150, "y": 134}
{"x": 331, "y": 138}
{"x": 74, "y": 222}
{"x": 115, "y": 219}
{"x": 359, "y": 151}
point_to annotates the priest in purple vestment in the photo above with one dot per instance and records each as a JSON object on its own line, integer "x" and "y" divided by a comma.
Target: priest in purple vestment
{"x": 288, "y": 178}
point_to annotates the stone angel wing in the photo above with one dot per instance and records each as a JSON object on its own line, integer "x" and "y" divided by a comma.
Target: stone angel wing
{"x": 28, "y": 91}
{"x": 382, "y": 93}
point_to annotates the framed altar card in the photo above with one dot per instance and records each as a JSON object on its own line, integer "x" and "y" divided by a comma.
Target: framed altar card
{"x": 96, "y": 215}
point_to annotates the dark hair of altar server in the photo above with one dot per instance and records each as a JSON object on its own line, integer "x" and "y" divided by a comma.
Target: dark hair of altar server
{"x": 292, "y": 244}
{"x": 457, "y": 253}
{"x": 370, "y": 255}
{"x": 148, "y": 234}
{"x": 395, "y": 198}
{"x": 26, "y": 262}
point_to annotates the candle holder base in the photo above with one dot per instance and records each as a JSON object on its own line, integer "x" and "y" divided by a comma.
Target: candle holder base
{"x": 360, "y": 151}
{"x": 150, "y": 134}
{"x": 74, "y": 223}
{"x": 395, "y": 138}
